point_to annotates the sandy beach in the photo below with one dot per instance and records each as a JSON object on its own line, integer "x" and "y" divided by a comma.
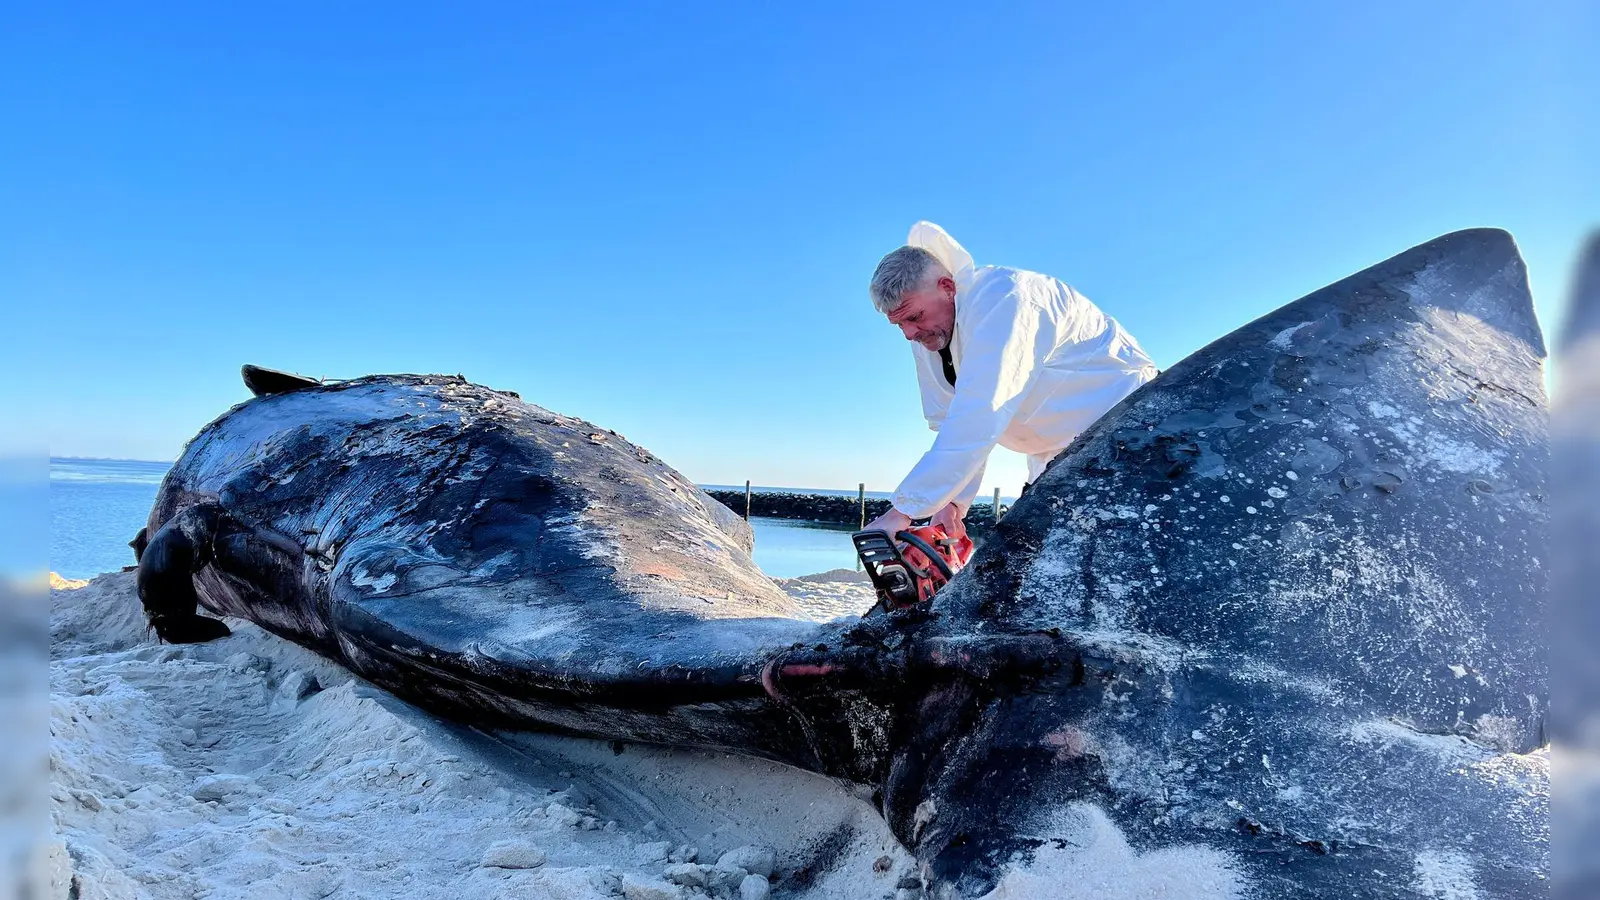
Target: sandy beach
{"x": 251, "y": 767}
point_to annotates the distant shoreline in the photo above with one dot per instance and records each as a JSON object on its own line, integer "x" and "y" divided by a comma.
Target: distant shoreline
{"x": 113, "y": 459}
{"x": 709, "y": 488}
{"x": 831, "y": 507}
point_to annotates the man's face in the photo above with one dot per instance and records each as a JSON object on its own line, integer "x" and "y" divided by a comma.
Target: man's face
{"x": 927, "y": 314}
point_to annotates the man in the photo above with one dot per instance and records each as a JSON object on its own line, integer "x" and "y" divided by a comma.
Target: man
{"x": 1004, "y": 356}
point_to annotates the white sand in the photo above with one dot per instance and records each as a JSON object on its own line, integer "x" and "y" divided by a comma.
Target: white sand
{"x": 250, "y": 767}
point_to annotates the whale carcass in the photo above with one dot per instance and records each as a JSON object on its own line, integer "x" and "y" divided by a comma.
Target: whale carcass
{"x": 477, "y": 554}
{"x": 1272, "y": 627}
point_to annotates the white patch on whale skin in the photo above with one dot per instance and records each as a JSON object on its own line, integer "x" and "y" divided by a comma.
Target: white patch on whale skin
{"x": 587, "y": 539}
{"x": 1131, "y": 647}
{"x": 1503, "y": 733}
{"x": 522, "y": 635}
{"x": 1285, "y": 338}
{"x": 1447, "y": 747}
{"x": 1436, "y": 451}
{"x": 924, "y": 814}
{"x": 1085, "y": 855}
{"x": 363, "y": 578}
{"x": 489, "y": 567}
{"x": 1444, "y": 875}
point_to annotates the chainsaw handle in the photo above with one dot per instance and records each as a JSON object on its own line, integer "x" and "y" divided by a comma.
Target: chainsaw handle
{"x": 933, "y": 555}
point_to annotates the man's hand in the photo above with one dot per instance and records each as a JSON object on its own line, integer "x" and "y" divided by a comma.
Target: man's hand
{"x": 953, "y": 518}
{"x": 894, "y": 521}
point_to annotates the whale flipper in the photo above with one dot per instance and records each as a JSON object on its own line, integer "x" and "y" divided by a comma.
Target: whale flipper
{"x": 167, "y": 565}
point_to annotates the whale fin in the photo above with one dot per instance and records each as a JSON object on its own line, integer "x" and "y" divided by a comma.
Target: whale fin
{"x": 262, "y": 382}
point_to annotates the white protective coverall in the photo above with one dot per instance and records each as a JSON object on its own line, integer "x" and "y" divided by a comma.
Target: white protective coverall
{"x": 1035, "y": 364}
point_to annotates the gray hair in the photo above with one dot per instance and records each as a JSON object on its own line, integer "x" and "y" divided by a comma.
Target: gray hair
{"x": 902, "y": 270}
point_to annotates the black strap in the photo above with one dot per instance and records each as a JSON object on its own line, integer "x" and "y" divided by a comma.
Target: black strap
{"x": 949, "y": 366}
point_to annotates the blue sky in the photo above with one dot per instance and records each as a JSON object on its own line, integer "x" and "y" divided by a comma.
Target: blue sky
{"x": 662, "y": 218}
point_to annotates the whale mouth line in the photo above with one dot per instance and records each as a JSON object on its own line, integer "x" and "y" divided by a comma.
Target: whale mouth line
{"x": 991, "y": 660}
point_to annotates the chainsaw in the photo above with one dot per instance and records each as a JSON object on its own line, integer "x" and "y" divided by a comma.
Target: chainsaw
{"x": 912, "y": 566}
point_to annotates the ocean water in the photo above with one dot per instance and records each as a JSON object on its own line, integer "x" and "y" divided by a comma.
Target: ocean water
{"x": 786, "y": 548}
{"x": 98, "y": 505}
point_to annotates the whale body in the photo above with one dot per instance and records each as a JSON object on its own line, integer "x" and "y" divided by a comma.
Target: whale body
{"x": 1275, "y": 621}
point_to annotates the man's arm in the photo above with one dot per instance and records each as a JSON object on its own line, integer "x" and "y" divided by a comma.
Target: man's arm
{"x": 969, "y": 491}
{"x": 1001, "y": 359}
{"x": 952, "y": 517}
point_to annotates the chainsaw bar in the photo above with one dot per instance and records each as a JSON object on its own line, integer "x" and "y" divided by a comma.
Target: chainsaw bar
{"x": 909, "y": 568}
{"x": 894, "y": 580}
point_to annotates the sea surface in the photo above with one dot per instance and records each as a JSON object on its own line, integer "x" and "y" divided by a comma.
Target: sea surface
{"x": 98, "y": 505}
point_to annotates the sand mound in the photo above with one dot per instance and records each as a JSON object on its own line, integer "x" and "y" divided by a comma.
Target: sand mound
{"x": 57, "y": 583}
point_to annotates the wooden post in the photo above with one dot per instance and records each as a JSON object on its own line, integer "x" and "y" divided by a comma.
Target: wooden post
{"x": 997, "y": 504}
{"x": 861, "y": 497}
{"x": 747, "y": 499}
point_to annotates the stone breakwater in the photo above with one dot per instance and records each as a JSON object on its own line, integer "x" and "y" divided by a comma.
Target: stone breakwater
{"x": 832, "y": 508}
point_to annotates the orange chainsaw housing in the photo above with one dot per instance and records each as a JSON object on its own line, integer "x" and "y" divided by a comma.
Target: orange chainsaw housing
{"x": 930, "y": 579}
